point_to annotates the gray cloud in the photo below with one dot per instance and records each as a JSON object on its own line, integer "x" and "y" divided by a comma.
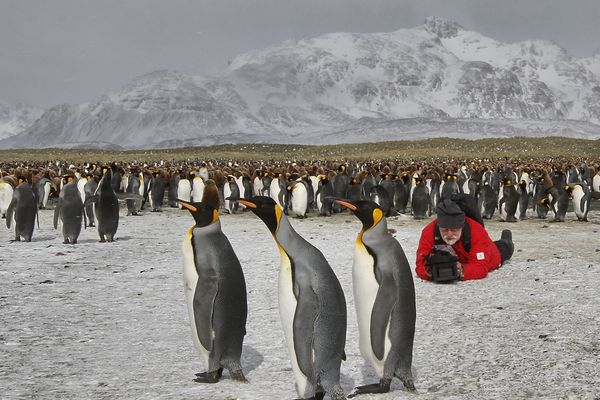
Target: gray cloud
{"x": 69, "y": 51}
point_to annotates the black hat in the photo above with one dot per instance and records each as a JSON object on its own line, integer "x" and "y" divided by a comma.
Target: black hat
{"x": 449, "y": 215}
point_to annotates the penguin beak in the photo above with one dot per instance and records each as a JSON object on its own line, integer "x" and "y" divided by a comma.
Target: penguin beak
{"x": 187, "y": 205}
{"x": 247, "y": 203}
{"x": 351, "y": 206}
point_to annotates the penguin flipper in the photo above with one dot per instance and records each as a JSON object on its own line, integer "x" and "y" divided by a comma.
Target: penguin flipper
{"x": 380, "y": 316}
{"x": 304, "y": 322}
{"x": 9, "y": 213}
{"x": 204, "y": 299}
{"x": 57, "y": 213}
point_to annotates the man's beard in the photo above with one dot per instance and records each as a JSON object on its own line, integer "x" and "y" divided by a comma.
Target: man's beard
{"x": 450, "y": 241}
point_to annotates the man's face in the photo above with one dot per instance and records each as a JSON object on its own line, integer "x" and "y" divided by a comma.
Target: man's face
{"x": 451, "y": 235}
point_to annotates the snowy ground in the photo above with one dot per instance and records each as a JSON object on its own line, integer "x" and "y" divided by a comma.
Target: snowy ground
{"x": 109, "y": 320}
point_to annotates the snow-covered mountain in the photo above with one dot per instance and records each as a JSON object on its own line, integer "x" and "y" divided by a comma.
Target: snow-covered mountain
{"x": 15, "y": 119}
{"x": 435, "y": 79}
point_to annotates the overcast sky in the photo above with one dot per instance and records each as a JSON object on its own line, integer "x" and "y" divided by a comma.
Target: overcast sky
{"x": 71, "y": 51}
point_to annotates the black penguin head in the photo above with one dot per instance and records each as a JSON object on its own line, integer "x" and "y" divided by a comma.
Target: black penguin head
{"x": 266, "y": 209}
{"x": 203, "y": 213}
{"x": 367, "y": 211}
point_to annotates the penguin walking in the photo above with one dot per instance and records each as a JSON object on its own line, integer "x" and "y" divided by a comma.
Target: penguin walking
{"x": 215, "y": 291}
{"x": 70, "y": 211}
{"x": 384, "y": 295}
{"x": 312, "y": 306}
{"x": 559, "y": 202}
{"x": 6, "y": 195}
{"x": 23, "y": 207}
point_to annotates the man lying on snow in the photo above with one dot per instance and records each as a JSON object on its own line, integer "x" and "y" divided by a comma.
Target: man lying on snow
{"x": 456, "y": 247}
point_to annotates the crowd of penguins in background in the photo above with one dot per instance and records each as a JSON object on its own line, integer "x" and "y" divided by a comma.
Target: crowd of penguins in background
{"x": 311, "y": 300}
{"x": 502, "y": 187}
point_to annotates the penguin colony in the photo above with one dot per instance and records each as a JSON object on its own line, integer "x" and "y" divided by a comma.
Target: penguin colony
{"x": 311, "y": 302}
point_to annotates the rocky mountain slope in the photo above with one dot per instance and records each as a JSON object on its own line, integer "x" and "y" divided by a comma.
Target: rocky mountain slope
{"x": 438, "y": 77}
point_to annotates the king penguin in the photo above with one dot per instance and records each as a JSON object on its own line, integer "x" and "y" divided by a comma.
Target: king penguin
{"x": 24, "y": 208}
{"x": 384, "y": 295}
{"x": 215, "y": 292}
{"x": 6, "y": 195}
{"x": 580, "y": 193}
{"x": 70, "y": 211}
{"x": 312, "y": 306}
{"x": 106, "y": 208}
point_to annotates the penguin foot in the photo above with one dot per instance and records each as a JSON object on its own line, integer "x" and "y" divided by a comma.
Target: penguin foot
{"x": 372, "y": 388}
{"x": 408, "y": 384}
{"x": 238, "y": 376}
{"x": 209, "y": 377}
{"x": 317, "y": 396}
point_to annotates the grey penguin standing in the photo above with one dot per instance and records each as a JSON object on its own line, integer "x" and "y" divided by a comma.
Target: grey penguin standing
{"x": 580, "y": 193}
{"x": 401, "y": 192}
{"x": 215, "y": 291}
{"x": 384, "y": 295}
{"x": 173, "y": 184}
{"x": 487, "y": 201}
{"x": 324, "y": 196}
{"x": 523, "y": 199}
{"x": 507, "y": 204}
{"x": 133, "y": 186}
{"x": 340, "y": 185}
{"x": 540, "y": 199}
{"x": 312, "y": 306}
{"x": 89, "y": 189}
{"x": 354, "y": 189}
{"x": 559, "y": 202}
{"x": 106, "y": 208}
{"x": 70, "y": 211}
{"x": 420, "y": 199}
{"x": 43, "y": 188}
{"x": 23, "y": 207}
{"x": 382, "y": 197}
{"x": 156, "y": 192}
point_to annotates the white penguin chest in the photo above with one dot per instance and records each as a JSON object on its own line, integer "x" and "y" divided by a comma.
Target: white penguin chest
{"x": 365, "y": 288}
{"x": 190, "y": 280}
{"x": 299, "y": 200}
{"x": 578, "y": 194}
{"x": 287, "y": 310}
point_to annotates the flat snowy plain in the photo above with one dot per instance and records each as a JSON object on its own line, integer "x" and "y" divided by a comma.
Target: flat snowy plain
{"x": 109, "y": 320}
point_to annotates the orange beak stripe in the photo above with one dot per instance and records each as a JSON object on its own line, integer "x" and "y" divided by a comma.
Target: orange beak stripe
{"x": 247, "y": 203}
{"x": 188, "y": 206}
{"x": 346, "y": 204}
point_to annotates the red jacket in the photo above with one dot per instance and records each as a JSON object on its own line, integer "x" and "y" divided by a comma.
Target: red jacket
{"x": 483, "y": 257}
